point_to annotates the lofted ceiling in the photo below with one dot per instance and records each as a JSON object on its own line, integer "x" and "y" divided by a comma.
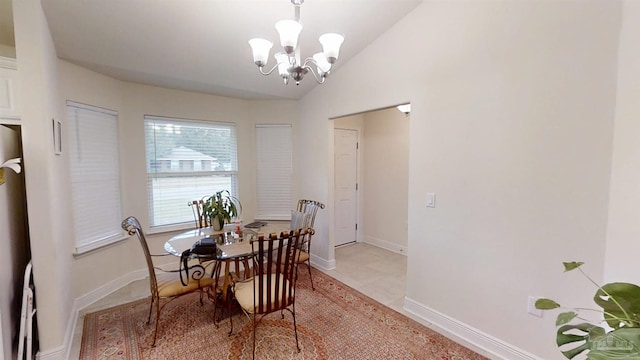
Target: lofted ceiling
{"x": 201, "y": 45}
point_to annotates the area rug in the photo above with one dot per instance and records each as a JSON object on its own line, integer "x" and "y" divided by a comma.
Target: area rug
{"x": 334, "y": 322}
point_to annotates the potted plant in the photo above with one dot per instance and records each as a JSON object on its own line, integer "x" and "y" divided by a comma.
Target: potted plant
{"x": 617, "y": 336}
{"x": 220, "y": 207}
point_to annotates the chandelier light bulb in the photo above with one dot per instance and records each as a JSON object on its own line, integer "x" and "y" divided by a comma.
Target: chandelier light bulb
{"x": 261, "y": 49}
{"x": 323, "y": 66}
{"x": 289, "y": 31}
{"x": 283, "y": 64}
{"x": 331, "y": 43}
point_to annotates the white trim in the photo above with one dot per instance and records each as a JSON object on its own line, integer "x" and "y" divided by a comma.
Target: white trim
{"x": 10, "y": 120}
{"x": 273, "y": 125}
{"x": 108, "y": 288}
{"x": 8, "y": 63}
{"x": 99, "y": 244}
{"x": 464, "y": 334}
{"x": 322, "y": 264}
{"x": 78, "y": 105}
{"x": 187, "y": 120}
{"x": 64, "y": 351}
{"x": 393, "y": 247}
{"x": 55, "y": 354}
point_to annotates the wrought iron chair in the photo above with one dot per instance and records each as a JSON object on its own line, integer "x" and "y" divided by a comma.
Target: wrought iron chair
{"x": 272, "y": 288}
{"x": 167, "y": 284}
{"x": 308, "y": 208}
{"x": 198, "y": 215}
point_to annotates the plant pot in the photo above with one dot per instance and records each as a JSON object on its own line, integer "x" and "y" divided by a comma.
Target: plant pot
{"x": 216, "y": 223}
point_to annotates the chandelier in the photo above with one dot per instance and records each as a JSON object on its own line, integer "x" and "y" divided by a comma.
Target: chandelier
{"x": 288, "y": 62}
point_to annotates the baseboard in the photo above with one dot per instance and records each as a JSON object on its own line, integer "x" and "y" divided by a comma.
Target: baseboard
{"x": 396, "y": 248}
{"x": 63, "y": 352}
{"x": 323, "y": 264}
{"x": 464, "y": 334}
{"x": 55, "y": 354}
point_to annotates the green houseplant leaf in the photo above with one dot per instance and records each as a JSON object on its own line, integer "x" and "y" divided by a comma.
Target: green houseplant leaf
{"x": 221, "y": 207}
{"x": 566, "y": 317}
{"x": 546, "y": 304}
{"x": 623, "y": 343}
{"x": 571, "y": 334}
{"x": 568, "y": 266}
{"x": 621, "y": 304}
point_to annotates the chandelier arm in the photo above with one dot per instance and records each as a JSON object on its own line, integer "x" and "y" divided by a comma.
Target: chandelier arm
{"x": 268, "y": 72}
{"x": 319, "y": 80}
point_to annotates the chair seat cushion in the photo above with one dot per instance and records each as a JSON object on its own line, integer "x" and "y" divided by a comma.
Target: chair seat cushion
{"x": 169, "y": 284}
{"x": 243, "y": 292}
{"x": 304, "y": 256}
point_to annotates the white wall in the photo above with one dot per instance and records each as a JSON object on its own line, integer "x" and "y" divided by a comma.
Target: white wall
{"x": 46, "y": 178}
{"x": 385, "y": 179}
{"x": 623, "y": 234}
{"x": 511, "y": 125}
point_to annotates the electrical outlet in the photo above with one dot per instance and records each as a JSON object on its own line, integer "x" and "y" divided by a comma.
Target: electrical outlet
{"x": 531, "y": 307}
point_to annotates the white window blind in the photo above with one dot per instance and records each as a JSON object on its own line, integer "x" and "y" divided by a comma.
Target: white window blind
{"x": 95, "y": 175}
{"x": 187, "y": 160}
{"x": 274, "y": 172}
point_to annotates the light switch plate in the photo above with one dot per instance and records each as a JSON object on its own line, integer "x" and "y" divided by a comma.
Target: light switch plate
{"x": 531, "y": 306}
{"x": 431, "y": 200}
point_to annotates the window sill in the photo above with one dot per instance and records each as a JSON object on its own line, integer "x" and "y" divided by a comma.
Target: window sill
{"x": 170, "y": 228}
{"x": 99, "y": 245}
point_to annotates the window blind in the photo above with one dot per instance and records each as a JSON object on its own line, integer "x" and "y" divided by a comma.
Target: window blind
{"x": 187, "y": 160}
{"x": 274, "y": 172}
{"x": 95, "y": 175}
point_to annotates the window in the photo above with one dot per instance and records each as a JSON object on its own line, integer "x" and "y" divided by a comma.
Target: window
{"x": 274, "y": 172}
{"x": 95, "y": 176}
{"x": 187, "y": 160}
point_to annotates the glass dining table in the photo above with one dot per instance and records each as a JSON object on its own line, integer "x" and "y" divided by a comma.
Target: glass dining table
{"x": 232, "y": 249}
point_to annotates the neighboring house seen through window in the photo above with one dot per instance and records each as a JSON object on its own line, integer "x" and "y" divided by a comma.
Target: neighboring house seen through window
{"x": 187, "y": 160}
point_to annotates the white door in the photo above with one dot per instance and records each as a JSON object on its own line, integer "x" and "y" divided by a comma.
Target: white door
{"x": 346, "y": 182}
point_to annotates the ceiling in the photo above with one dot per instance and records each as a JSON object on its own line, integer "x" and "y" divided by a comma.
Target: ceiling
{"x": 201, "y": 45}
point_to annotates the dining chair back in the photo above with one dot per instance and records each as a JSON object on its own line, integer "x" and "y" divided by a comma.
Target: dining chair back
{"x": 309, "y": 208}
{"x": 198, "y": 214}
{"x": 167, "y": 284}
{"x": 272, "y": 288}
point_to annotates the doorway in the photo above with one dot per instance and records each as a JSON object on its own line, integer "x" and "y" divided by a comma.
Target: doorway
{"x": 14, "y": 240}
{"x": 376, "y": 173}
{"x": 375, "y": 264}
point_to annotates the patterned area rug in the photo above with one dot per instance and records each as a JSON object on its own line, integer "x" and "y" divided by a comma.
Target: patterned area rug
{"x": 334, "y": 322}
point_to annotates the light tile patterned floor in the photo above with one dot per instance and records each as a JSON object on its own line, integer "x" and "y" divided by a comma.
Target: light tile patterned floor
{"x": 375, "y": 272}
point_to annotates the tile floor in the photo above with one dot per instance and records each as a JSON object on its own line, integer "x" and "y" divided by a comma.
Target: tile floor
{"x": 376, "y": 272}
